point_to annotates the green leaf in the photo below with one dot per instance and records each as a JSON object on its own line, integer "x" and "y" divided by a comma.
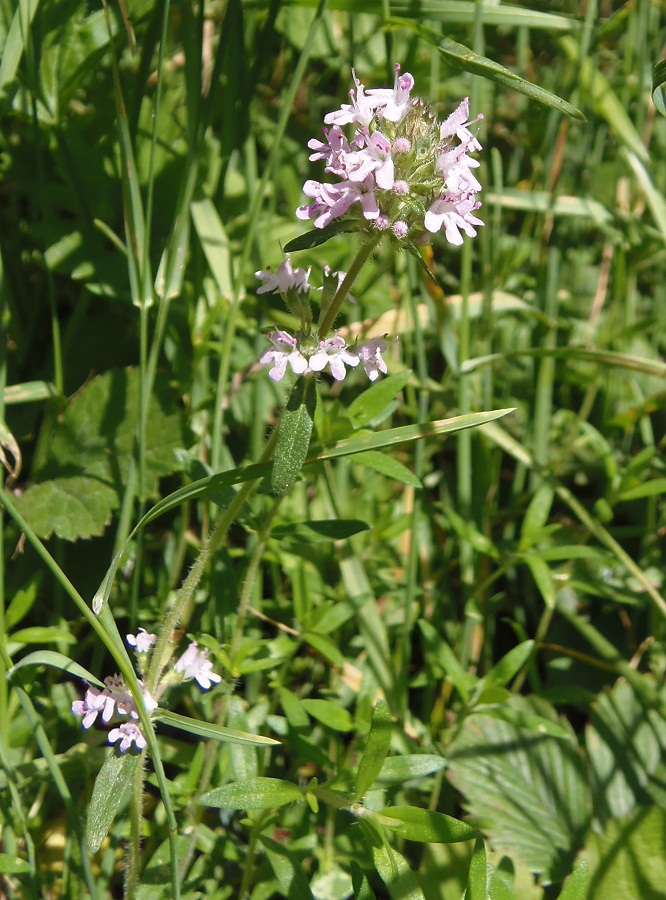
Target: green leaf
{"x": 42, "y": 634}
{"x": 295, "y": 431}
{"x": 326, "y": 647}
{"x": 536, "y": 517}
{"x": 13, "y": 865}
{"x": 397, "y": 770}
{"x": 653, "y": 488}
{"x": 509, "y": 666}
{"x": 658, "y": 82}
{"x": 112, "y": 788}
{"x": 210, "y": 731}
{"x": 361, "y": 885}
{"x": 57, "y": 661}
{"x": 376, "y": 749}
{"x": 392, "y": 867}
{"x": 288, "y": 869}
{"x": 318, "y": 531}
{"x": 18, "y": 37}
{"x": 372, "y": 402}
{"x": 329, "y": 714}
{"x": 83, "y": 458}
{"x": 543, "y": 577}
{"x": 576, "y": 886}
{"x": 527, "y": 790}
{"x": 318, "y": 236}
{"x": 624, "y": 741}
{"x": 215, "y": 244}
{"x": 426, "y": 826}
{"x": 257, "y": 793}
{"x": 628, "y": 860}
{"x": 477, "y": 879}
{"x": 388, "y": 466}
{"x": 461, "y": 57}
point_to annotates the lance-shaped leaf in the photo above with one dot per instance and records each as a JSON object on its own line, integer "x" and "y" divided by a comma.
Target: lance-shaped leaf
{"x": 461, "y": 57}
{"x": 318, "y": 236}
{"x": 257, "y": 793}
{"x": 112, "y": 788}
{"x": 212, "y": 732}
{"x": 379, "y": 741}
{"x": 427, "y": 826}
{"x": 57, "y": 661}
{"x": 295, "y": 431}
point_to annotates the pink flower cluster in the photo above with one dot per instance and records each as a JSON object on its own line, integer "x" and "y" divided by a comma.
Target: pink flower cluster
{"x": 402, "y": 169}
{"x": 304, "y": 355}
{"x": 115, "y": 699}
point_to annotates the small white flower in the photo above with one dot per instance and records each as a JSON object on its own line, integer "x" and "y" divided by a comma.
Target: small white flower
{"x": 454, "y": 213}
{"x": 333, "y": 353}
{"x": 394, "y": 102}
{"x": 94, "y": 702}
{"x": 127, "y": 733}
{"x": 143, "y": 641}
{"x": 370, "y": 355}
{"x": 194, "y": 664}
{"x": 285, "y": 351}
{"x": 284, "y": 279}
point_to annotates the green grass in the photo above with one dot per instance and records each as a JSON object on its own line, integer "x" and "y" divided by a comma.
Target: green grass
{"x": 454, "y": 629}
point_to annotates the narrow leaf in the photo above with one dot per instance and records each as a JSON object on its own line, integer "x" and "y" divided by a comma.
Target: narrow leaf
{"x": 257, "y": 793}
{"x": 477, "y": 879}
{"x": 461, "y": 57}
{"x": 329, "y": 714}
{"x": 295, "y": 431}
{"x": 426, "y": 826}
{"x": 658, "y": 90}
{"x": 509, "y": 666}
{"x": 399, "y": 769}
{"x": 388, "y": 466}
{"x": 376, "y": 749}
{"x": 112, "y": 787}
{"x": 210, "y": 731}
{"x": 319, "y": 236}
{"x": 392, "y": 867}
{"x": 57, "y": 661}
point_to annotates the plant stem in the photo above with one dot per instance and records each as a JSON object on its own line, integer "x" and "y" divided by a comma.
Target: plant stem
{"x": 329, "y": 314}
{"x": 136, "y": 814}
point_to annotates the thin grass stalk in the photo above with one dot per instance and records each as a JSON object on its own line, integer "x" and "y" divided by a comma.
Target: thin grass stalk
{"x": 229, "y": 326}
{"x": 543, "y": 405}
{"x": 410, "y": 590}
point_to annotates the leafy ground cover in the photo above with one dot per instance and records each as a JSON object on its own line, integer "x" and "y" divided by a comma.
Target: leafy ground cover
{"x": 408, "y": 631}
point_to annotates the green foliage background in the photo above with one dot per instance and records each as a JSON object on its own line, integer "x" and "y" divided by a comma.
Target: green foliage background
{"x": 457, "y": 640}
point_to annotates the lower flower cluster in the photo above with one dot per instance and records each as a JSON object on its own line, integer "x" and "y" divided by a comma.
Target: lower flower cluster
{"x": 305, "y": 355}
{"x": 115, "y": 700}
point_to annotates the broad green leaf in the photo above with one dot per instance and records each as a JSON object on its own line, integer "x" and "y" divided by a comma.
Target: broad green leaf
{"x": 376, "y": 749}
{"x": 477, "y": 879}
{"x": 426, "y": 826}
{"x": 392, "y": 867}
{"x": 388, "y": 466}
{"x": 318, "y": 236}
{"x": 658, "y": 89}
{"x": 288, "y": 869}
{"x": 527, "y": 790}
{"x": 295, "y": 431}
{"x": 14, "y": 865}
{"x": 257, "y": 793}
{"x": 210, "y": 731}
{"x": 625, "y": 741}
{"x": 112, "y": 788}
{"x": 509, "y": 666}
{"x": 373, "y": 401}
{"x": 397, "y": 770}
{"x": 461, "y": 57}
{"x": 627, "y": 860}
{"x": 57, "y": 661}
{"x": 316, "y": 532}
{"x": 329, "y": 714}
{"x": 83, "y": 459}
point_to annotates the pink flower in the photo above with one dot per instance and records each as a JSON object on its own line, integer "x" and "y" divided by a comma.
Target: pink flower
{"x": 360, "y": 111}
{"x": 94, "y": 702}
{"x": 284, "y": 279}
{"x": 455, "y": 214}
{"x": 284, "y": 353}
{"x": 370, "y": 355}
{"x": 394, "y": 102}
